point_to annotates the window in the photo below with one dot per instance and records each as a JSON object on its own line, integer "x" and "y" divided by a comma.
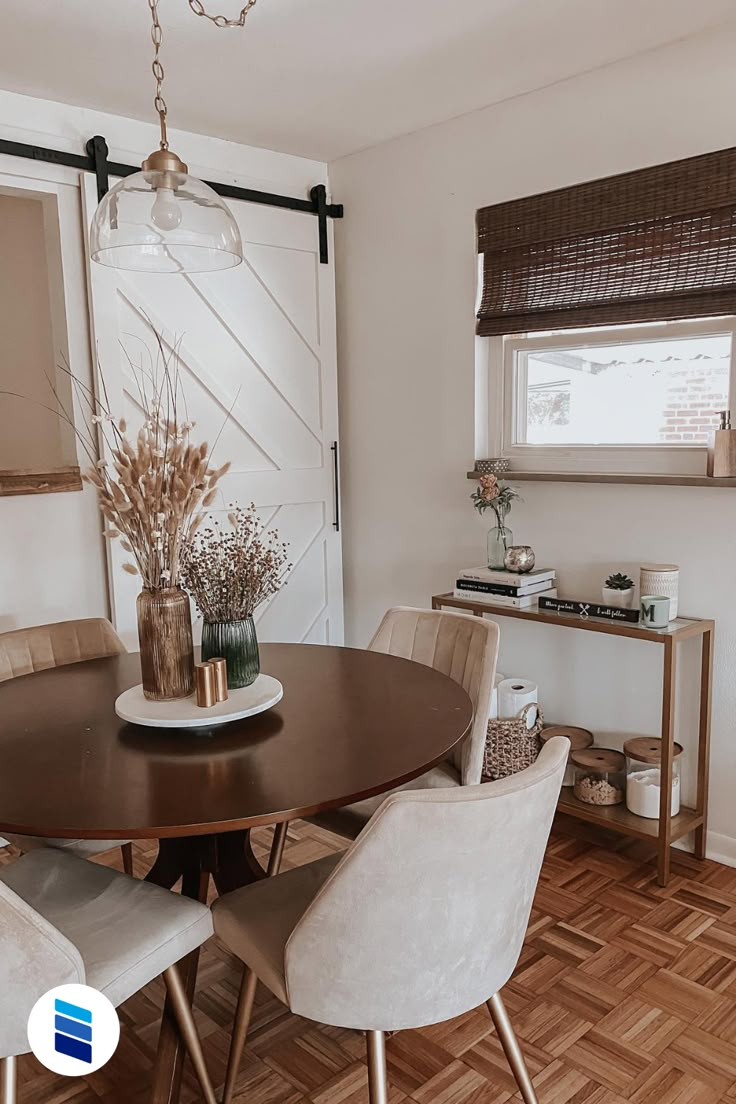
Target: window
{"x": 631, "y": 399}
{"x": 608, "y": 311}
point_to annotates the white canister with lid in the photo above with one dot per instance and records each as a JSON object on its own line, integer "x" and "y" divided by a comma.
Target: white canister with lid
{"x": 663, "y": 580}
{"x": 644, "y": 776}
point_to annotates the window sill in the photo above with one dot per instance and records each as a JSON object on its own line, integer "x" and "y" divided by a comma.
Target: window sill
{"x": 613, "y": 477}
{"x": 33, "y": 482}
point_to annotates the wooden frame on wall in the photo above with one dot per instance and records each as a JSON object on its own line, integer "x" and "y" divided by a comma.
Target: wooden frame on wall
{"x": 36, "y": 482}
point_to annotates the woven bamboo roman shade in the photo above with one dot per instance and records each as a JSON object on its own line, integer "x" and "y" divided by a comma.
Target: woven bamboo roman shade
{"x": 646, "y": 246}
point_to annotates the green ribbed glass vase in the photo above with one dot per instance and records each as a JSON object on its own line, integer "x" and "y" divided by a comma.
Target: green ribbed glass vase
{"x": 237, "y": 643}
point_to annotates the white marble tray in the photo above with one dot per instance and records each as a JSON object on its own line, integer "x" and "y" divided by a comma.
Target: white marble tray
{"x": 264, "y": 693}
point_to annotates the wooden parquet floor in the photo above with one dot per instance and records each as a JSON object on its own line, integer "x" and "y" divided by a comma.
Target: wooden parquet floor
{"x": 625, "y": 994}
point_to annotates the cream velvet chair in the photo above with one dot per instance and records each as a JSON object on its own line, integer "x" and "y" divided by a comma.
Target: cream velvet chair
{"x": 421, "y": 920}
{"x": 459, "y": 645}
{"x": 66, "y": 920}
{"x": 23, "y": 651}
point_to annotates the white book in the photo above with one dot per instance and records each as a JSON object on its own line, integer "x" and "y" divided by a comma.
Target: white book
{"x": 475, "y": 586}
{"x": 507, "y": 578}
{"x": 503, "y": 600}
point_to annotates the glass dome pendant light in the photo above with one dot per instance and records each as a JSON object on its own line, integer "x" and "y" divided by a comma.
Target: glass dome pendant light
{"x": 161, "y": 219}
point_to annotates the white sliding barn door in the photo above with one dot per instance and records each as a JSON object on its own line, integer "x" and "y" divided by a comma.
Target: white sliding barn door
{"x": 259, "y": 338}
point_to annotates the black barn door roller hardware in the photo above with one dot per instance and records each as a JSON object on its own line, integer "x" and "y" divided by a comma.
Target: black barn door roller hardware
{"x": 95, "y": 161}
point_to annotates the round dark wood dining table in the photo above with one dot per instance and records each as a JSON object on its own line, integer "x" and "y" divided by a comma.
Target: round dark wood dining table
{"x": 351, "y": 724}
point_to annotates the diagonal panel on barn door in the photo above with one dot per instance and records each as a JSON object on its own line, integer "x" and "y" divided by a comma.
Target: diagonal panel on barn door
{"x": 266, "y": 407}
{"x": 291, "y": 277}
{"x": 295, "y": 608}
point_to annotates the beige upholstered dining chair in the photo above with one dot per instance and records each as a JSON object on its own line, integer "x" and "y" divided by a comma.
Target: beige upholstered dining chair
{"x": 23, "y": 651}
{"x": 459, "y": 645}
{"x": 66, "y": 920}
{"x": 421, "y": 920}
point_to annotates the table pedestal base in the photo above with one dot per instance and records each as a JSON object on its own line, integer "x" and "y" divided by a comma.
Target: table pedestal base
{"x": 228, "y": 859}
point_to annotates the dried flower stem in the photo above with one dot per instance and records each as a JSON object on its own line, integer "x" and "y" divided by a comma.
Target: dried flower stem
{"x": 154, "y": 491}
{"x": 231, "y": 572}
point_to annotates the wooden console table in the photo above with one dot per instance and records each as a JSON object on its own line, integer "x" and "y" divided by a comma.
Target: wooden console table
{"x": 617, "y": 818}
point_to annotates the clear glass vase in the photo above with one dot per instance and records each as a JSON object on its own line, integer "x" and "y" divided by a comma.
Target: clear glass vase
{"x": 235, "y": 642}
{"x": 499, "y": 540}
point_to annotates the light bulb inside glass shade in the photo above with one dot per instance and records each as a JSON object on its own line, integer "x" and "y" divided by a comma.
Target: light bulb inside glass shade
{"x": 165, "y": 212}
{"x": 135, "y": 226}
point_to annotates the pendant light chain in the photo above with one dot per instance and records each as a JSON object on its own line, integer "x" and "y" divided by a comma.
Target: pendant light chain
{"x": 220, "y": 20}
{"x": 157, "y": 37}
{"x": 161, "y": 219}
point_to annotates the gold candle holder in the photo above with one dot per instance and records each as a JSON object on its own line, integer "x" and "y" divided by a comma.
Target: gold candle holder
{"x": 219, "y": 666}
{"x": 204, "y": 677}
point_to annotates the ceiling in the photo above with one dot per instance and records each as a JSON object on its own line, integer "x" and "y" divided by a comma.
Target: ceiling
{"x": 324, "y": 78}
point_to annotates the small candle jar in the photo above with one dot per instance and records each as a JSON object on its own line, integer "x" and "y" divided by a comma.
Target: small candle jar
{"x": 600, "y": 776}
{"x": 644, "y": 776}
{"x": 579, "y": 739}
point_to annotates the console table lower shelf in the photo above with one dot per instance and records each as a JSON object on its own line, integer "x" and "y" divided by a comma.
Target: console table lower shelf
{"x": 667, "y": 829}
{"x": 617, "y": 818}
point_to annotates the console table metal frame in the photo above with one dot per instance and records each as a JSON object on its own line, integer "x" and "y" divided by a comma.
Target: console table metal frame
{"x": 617, "y": 818}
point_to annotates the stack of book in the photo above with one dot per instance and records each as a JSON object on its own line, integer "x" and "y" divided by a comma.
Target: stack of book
{"x": 505, "y": 588}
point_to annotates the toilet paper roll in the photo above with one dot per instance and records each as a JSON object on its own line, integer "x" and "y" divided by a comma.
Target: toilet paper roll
{"x": 513, "y": 695}
{"x": 493, "y": 715}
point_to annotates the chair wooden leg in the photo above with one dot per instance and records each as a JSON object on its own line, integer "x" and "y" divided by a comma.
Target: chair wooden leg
{"x": 277, "y": 849}
{"x": 188, "y": 1029}
{"x": 511, "y": 1049}
{"x": 8, "y": 1080}
{"x": 127, "y": 852}
{"x": 377, "y": 1079}
{"x": 240, "y": 1031}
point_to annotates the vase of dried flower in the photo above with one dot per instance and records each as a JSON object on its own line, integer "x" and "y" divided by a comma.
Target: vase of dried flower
{"x": 167, "y": 651}
{"x": 237, "y": 643}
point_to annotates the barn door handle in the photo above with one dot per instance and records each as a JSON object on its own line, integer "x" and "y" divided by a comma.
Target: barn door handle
{"x": 335, "y": 486}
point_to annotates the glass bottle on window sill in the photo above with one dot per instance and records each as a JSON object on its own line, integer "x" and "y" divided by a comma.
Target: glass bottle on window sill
{"x": 500, "y": 540}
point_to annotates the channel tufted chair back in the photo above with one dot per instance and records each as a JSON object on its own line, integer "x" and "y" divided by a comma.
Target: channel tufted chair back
{"x": 23, "y": 651}
{"x": 461, "y": 646}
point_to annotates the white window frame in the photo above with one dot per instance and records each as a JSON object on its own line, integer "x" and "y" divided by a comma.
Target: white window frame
{"x": 506, "y": 395}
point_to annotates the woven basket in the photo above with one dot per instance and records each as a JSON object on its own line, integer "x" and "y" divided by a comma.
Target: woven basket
{"x": 511, "y": 746}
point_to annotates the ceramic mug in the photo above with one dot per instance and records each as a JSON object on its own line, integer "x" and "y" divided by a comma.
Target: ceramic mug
{"x": 655, "y": 611}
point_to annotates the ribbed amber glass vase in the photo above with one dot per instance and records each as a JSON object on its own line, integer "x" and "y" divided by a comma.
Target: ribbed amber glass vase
{"x": 167, "y": 651}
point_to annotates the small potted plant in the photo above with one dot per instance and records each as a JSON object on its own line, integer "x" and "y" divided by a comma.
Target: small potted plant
{"x": 618, "y": 590}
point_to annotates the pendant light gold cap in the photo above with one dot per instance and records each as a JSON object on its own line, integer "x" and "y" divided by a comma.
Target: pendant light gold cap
{"x": 164, "y": 161}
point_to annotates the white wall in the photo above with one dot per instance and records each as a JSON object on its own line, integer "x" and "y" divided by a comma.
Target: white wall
{"x": 406, "y": 288}
{"x": 52, "y": 563}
